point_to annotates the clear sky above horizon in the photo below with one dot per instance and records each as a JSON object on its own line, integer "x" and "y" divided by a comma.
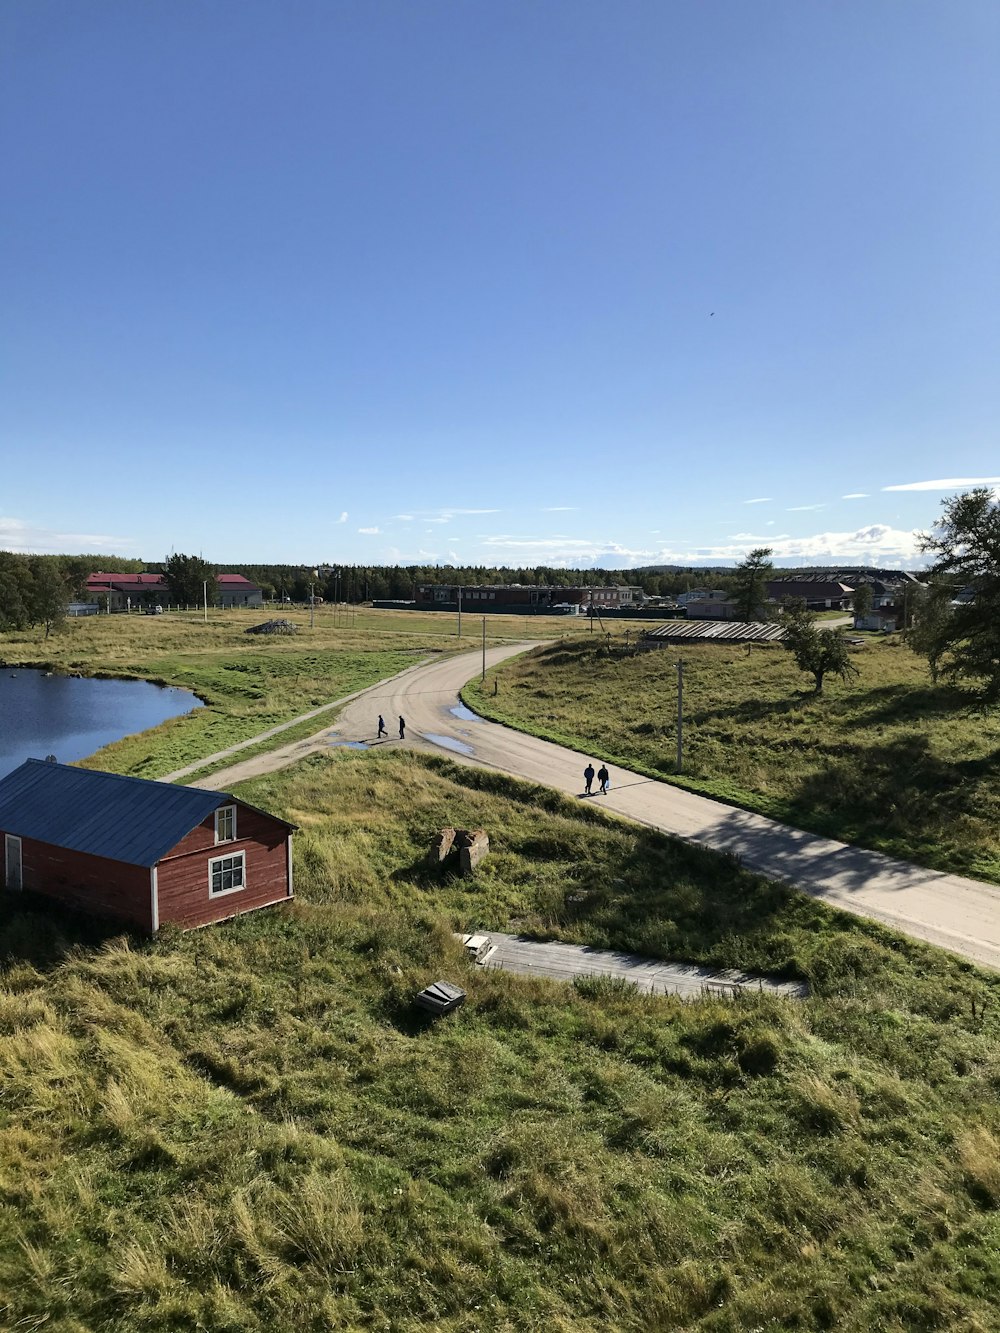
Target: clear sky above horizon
{"x": 560, "y": 283}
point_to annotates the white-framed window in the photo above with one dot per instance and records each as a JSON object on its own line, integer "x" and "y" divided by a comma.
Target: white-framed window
{"x": 226, "y": 874}
{"x": 225, "y": 824}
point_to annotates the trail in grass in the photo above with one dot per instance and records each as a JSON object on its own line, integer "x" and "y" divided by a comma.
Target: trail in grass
{"x": 263, "y": 736}
{"x": 950, "y": 911}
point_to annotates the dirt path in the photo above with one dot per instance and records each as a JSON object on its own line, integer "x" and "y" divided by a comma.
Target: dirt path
{"x": 948, "y": 910}
{"x": 563, "y": 962}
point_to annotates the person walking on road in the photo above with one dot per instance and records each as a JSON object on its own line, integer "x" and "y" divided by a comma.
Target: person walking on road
{"x": 588, "y": 777}
{"x": 381, "y": 727}
{"x": 603, "y": 777}
{"x": 402, "y": 728}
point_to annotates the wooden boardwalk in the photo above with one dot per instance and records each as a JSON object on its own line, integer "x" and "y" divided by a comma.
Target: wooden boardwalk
{"x": 563, "y": 962}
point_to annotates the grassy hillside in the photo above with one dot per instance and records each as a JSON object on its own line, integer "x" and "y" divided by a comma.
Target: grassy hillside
{"x": 250, "y": 1128}
{"x": 248, "y": 683}
{"x": 889, "y": 761}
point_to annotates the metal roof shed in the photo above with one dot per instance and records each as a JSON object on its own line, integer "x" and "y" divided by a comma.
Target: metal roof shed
{"x": 143, "y": 852}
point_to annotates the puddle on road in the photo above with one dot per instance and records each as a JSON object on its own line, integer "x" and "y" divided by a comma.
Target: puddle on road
{"x": 464, "y": 714}
{"x": 448, "y": 743}
{"x": 348, "y": 745}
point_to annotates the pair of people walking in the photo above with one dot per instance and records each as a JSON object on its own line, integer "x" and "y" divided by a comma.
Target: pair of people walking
{"x": 602, "y": 775}
{"x": 382, "y": 731}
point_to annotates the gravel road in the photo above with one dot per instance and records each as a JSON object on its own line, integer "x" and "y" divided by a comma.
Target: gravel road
{"x": 959, "y": 914}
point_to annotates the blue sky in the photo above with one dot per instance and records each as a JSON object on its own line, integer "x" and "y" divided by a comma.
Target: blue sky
{"x": 508, "y": 282}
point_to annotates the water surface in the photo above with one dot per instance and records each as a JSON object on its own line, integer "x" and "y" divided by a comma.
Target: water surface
{"x": 71, "y": 717}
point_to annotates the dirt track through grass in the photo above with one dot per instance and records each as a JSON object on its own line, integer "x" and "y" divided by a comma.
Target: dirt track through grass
{"x": 891, "y": 762}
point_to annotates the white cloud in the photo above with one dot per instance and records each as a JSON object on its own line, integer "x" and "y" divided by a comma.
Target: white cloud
{"x": 369, "y": 532}
{"x": 560, "y": 509}
{"x": 405, "y": 518}
{"x": 948, "y": 484}
{"x": 878, "y": 544}
{"x": 802, "y": 509}
{"x": 571, "y": 551}
{"x": 18, "y": 535}
{"x": 343, "y": 517}
{"x": 761, "y": 500}
{"x": 855, "y": 495}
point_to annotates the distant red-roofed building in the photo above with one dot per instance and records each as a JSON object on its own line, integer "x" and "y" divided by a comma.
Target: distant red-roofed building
{"x": 130, "y": 592}
{"x": 235, "y": 590}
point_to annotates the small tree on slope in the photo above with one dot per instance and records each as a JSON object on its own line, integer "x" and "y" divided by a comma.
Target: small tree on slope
{"x": 821, "y": 652}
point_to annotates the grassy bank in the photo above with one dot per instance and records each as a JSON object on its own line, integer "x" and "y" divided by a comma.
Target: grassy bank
{"x": 248, "y": 683}
{"x": 889, "y": 761}
{"x": 249, "y": 1127}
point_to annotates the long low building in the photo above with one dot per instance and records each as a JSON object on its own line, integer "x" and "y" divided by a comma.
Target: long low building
{"x": 130, "y": 592}
{"x": 713, "y": 631}
{"x": 523, "y": 599}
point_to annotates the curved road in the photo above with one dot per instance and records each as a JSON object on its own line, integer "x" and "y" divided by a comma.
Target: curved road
{"x": 959, "y": 914}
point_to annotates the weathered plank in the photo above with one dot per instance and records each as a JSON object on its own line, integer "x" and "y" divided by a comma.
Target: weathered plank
{"x": 563, "y": 962}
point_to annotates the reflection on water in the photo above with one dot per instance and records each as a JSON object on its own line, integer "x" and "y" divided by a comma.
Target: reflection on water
{"x": 448, "y": 743}
{"x": 72, "y": 717}
{"x": 466, "y": 714}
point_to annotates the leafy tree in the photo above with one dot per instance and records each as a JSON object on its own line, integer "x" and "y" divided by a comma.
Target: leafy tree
{"x": 964, "y": 643}
{"x": 863, "y": 598}
{"x": 750, "y": 587}
{"x": 186, "y": 576}
{"x": 820, "y": 652}
{"x": 14, "y": 591}
{"x": 48, "y": 594}
{"x": 929, "y": 610}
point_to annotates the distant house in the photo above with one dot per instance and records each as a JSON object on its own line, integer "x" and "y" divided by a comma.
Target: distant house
{"x": 126, "y": 592}
{"x": 129, "y": 592}
{"x": 884, "y": 618}
{"x": 712, "y": 608}
{"x": 235, "y": 590}
{"x": 144, "y": 853}
{"x": 818, "y": 594}
{"x": 701, "y": 595}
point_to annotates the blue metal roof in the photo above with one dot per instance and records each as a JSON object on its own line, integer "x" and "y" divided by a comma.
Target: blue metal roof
{"x": 104, "y": 814}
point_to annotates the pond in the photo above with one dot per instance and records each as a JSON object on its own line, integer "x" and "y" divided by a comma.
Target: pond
{"x": 71, "y": 717}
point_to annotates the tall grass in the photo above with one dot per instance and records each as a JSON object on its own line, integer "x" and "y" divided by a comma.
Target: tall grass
{"x": 251, "y": 1127}
{"x": 889, "y": 761}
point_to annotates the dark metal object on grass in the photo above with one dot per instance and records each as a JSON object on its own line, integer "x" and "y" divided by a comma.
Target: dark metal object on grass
{"x": 441, "y": 998}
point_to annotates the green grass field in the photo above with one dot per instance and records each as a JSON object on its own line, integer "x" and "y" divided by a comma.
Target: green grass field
{"x": 248, "y": 683}
{"x": 249, "y": 1127}
{"x": 889, "y": 761}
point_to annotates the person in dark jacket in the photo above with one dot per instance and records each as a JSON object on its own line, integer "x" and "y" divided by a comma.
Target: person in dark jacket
{"x": 588, "y": 777}
{"x": 402, "y": 728}
{"x": 381, "y": 727}
{"x": 603, "y": 777}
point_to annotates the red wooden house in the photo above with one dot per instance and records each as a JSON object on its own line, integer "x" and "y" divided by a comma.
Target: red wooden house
{"x": 145, "y": 853}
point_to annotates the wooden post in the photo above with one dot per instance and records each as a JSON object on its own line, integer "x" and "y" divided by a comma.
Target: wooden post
{"x": 680, "y": 717}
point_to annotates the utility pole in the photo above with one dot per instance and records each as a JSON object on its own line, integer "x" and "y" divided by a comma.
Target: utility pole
{"x": 459, "y": 610}
{"x": 312, "y": 598}
{"x": 204, "y": 593}
{"x": 484, "y": 648}
{"x": 680, "y": 717}
{"x": 591, "y": 608}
